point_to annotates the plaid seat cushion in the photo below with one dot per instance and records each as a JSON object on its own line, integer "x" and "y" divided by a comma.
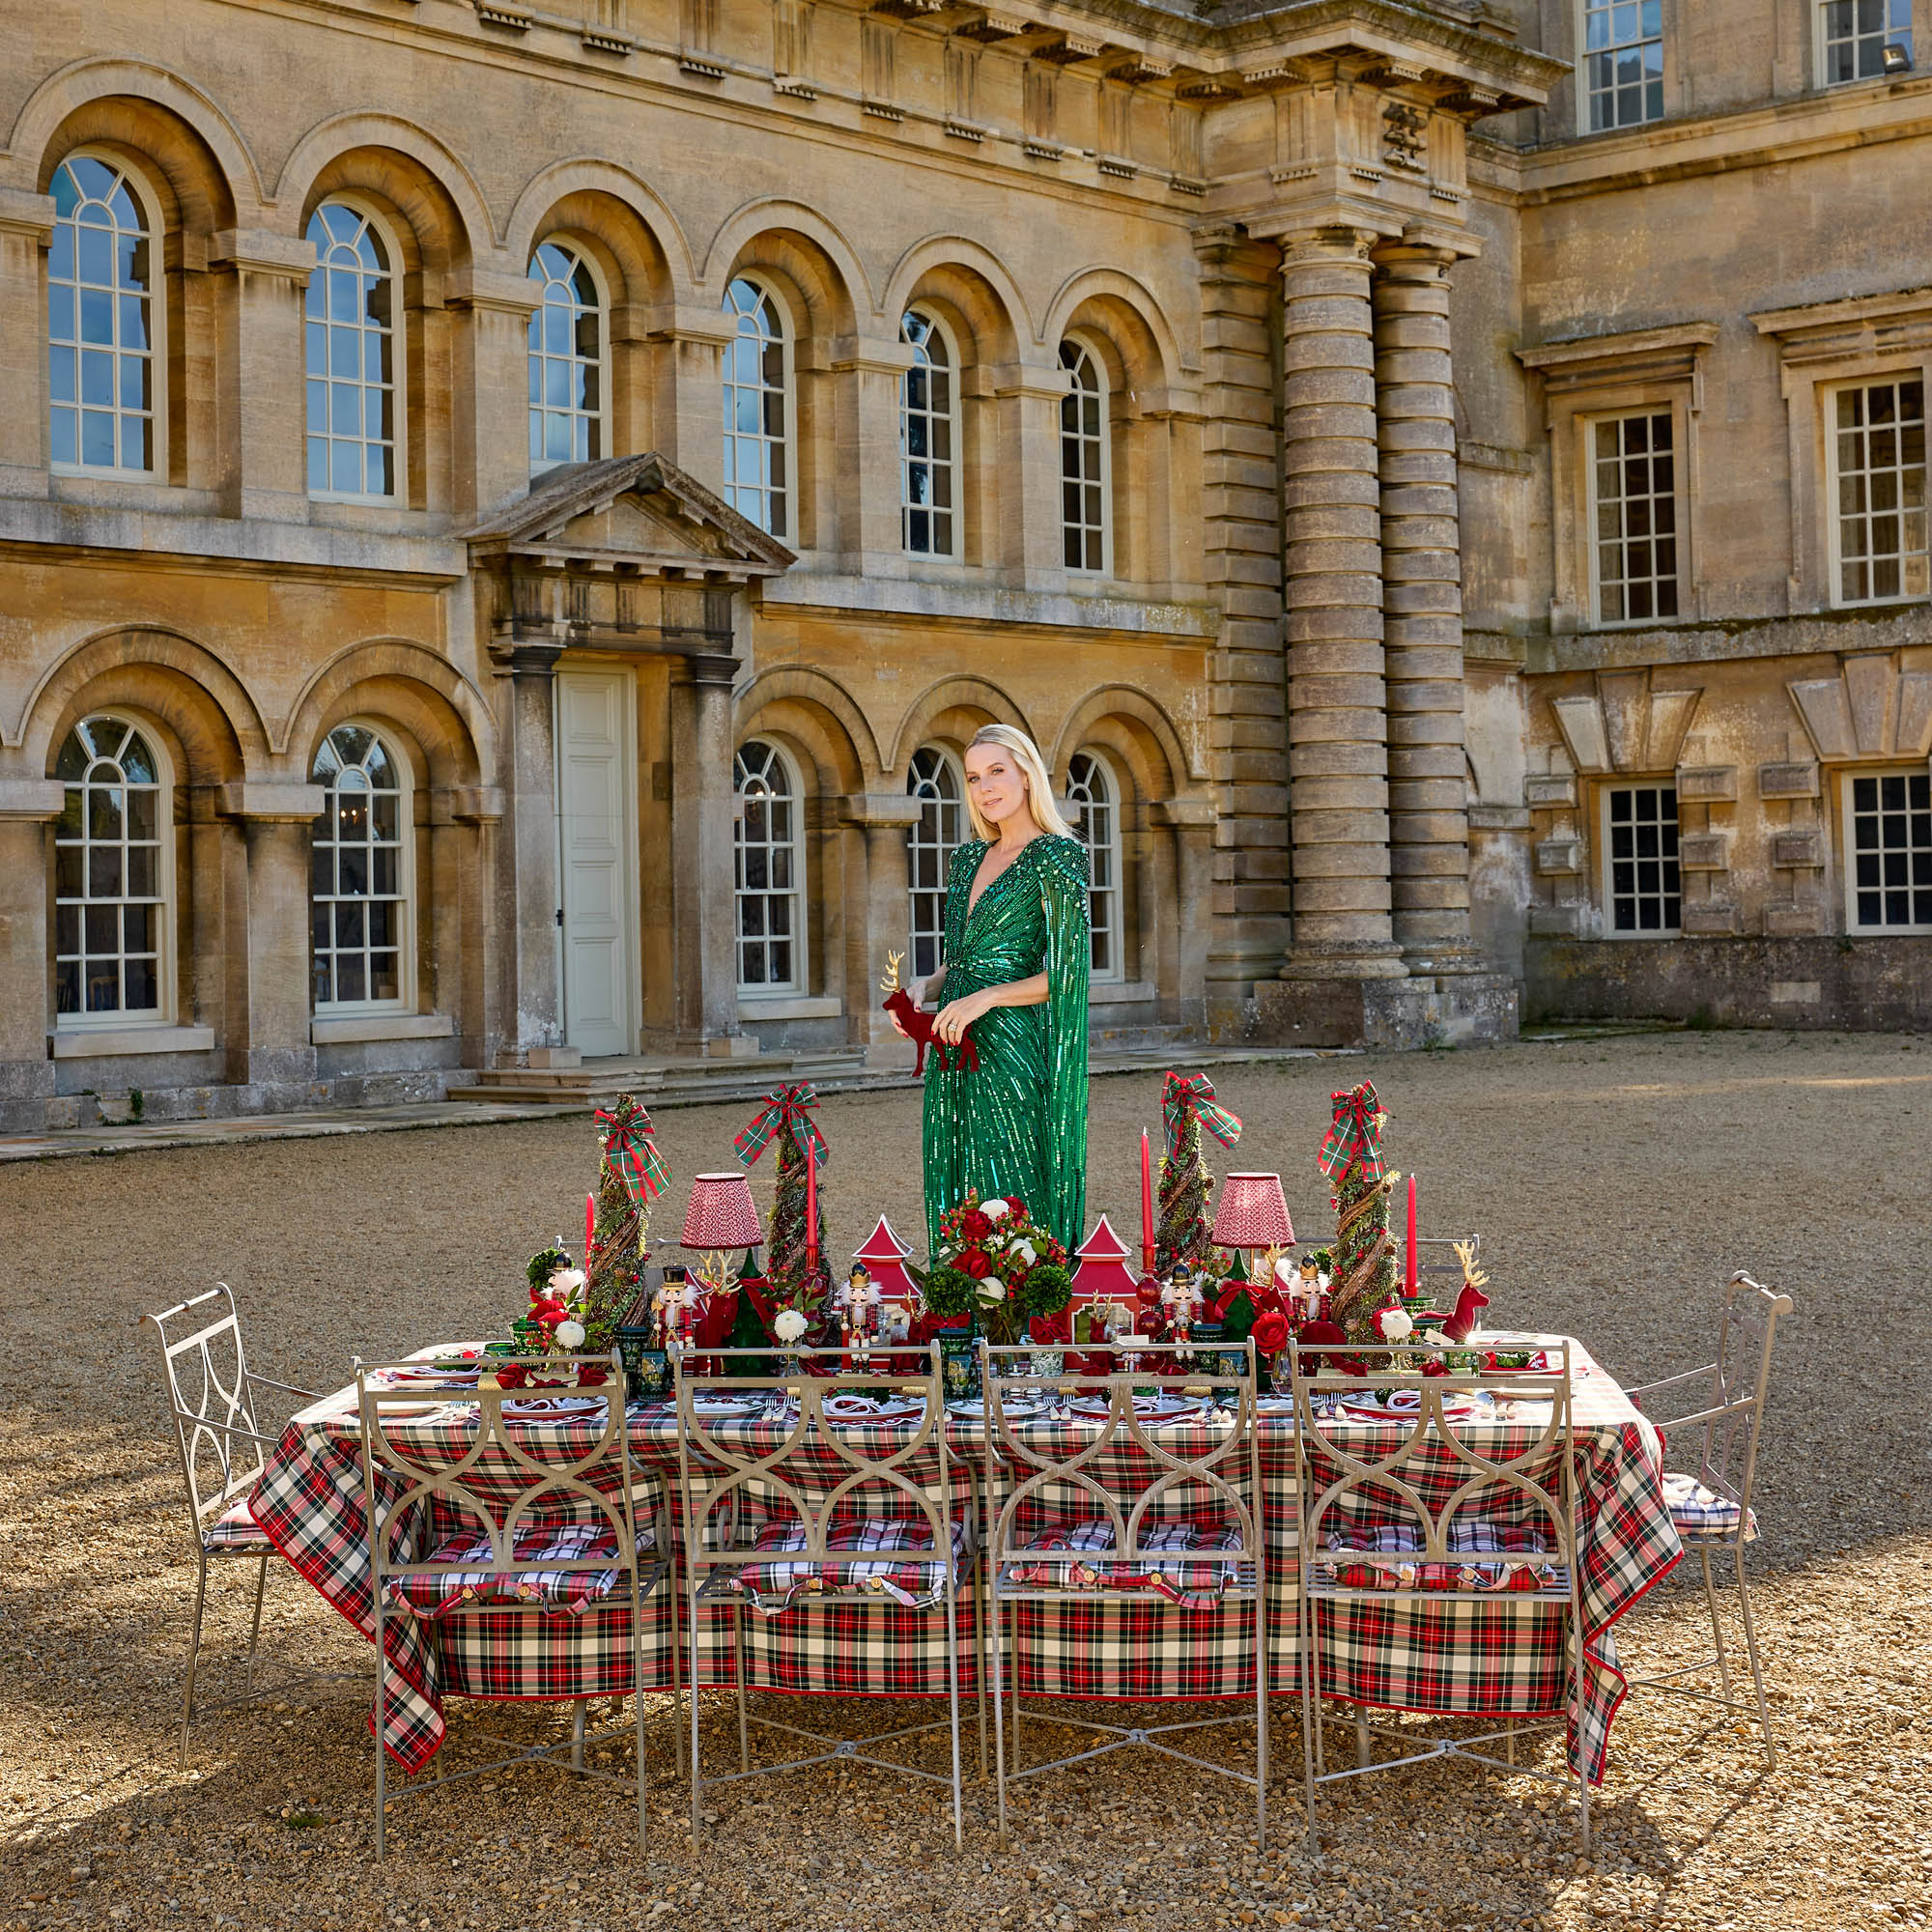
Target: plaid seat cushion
{"x": 1702, "y": 1515}
{"x": 236, "y": 1533}
{"x": 1387, "y": 1551}
{"x": 1192, "y": 1581}
{"x": 555, "y": 1592}
{"x": 913, "y": 1581}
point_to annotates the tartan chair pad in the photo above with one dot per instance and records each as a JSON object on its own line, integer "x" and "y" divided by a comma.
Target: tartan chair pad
{"x": 1700, "y": 1514}
{"x": 555, "y": 1592}
{"x": 913, "y": 1581}
{"x": 1199, "y": 1584}
{"x": 1386, "y": 1562}
{"x": 236, "y": 1533}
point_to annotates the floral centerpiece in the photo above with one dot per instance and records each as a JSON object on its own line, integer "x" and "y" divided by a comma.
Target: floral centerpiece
{"x": 996, "y": 1264}
{"x": 557, "y": 1321}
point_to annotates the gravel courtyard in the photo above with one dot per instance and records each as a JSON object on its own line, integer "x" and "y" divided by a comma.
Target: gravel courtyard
{"x": 1616, "y": 1182}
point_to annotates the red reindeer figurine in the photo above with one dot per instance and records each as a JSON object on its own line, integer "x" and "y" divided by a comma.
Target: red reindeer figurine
{"x": 1472, "y": 1300}
{"x": 918, "y": 1026}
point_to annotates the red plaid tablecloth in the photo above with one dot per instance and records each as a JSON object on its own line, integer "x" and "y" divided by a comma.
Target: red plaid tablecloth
{"x": 1483, "y": 1659}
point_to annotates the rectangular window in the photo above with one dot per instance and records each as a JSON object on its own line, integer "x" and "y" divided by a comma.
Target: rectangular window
{"x": 1622, "y": 42}
{"x": 1642, "y": 889}
{"x": 1633, "y": 516}
{"x": 1888, "y": 828}
{"x": 1878, "y": 463}
{"x": 1857, "y": 34}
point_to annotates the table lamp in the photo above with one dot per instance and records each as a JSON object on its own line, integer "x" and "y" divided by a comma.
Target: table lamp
{"x": 721, "y": 1214}
{"x": 1252, "y": 1213}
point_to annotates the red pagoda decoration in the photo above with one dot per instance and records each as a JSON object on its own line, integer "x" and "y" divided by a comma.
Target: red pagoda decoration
{"x": 1105, "y": 1273}
{"x": 885, "y": 1257}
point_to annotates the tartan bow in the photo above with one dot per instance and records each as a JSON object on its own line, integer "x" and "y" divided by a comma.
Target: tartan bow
{"x": 629, "y": 1147}
{"x": 1194, "y": 1093}
{"x": 1355, "y": 1134}
{"x": 785, "y": 1106}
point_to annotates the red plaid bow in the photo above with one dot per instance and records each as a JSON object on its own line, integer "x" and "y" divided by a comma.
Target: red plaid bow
{"x": 785, "y": 1106}
{"x": 1194, "y": 1093}
{"x": 629, "y": 1147}
{"x": 1355, "y": 1134}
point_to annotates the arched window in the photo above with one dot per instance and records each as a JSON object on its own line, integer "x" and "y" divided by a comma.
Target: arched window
{"x": 1083, "y": 461}
{"x": 769, "y": 871}
{"x": 1096, "y": 804}
{"x": 359, "y": 874}
{"x": 928, "y": 439}
{"x": 102, "y": 321}
{"x": 566, "y": 359}
{"x": 757, "y": 408}
{"x": 111, "y": 876}
{"x": 355, "y": 404}
{"x": 934, "y": 780}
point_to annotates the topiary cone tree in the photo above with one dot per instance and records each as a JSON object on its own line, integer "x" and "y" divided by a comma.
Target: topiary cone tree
{"x": 1365, "y": 1273}
{"x": 786, "y": 1118}
{"x": 1187, "y": 1105}
{"x": 630, "y": 1175}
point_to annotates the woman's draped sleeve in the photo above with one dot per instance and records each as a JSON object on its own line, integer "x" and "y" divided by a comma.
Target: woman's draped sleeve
{"x": 1069, "y": 959}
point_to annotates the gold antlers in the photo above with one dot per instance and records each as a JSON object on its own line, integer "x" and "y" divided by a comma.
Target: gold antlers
{"x": 1465, "y": 1253}
{"x": 891, "y": 983}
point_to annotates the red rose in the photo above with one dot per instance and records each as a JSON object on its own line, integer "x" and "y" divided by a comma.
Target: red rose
{"x": 975, "y": 1263}
{"x": 1270, "y": 1333}
{"x": 1016, "y": 1207}
{"x": 973, "y": 1225}
{"x": 1435, "y": 1366}
{"x": 512, "y": 1376}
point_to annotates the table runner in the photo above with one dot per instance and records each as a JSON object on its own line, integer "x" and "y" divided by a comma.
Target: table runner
{"x": 1501, "y": 1658}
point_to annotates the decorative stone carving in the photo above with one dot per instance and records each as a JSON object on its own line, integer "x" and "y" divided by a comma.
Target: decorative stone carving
{"x": 1874, "y": 708}
{"x": 1625, "y": 725}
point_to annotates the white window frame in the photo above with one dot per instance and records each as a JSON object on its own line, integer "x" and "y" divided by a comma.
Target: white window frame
{"x": 1588, "y": 427}
{"x": 1847, "y": 782}
{"x": 1110, "y": 897}
{"x": 1666, "y": 781}
{"x": 157, "y": 332}
{"x": 1086, "y": 347}
{"x": 398, "y": 360}
{"x": 788, "y": 443}
{"x": 1829, "y": 394}
{"x": 1821, "y": 42}
{"x": 923, "y": 783}
{"x": 405, "y": 1001}
{"x": 600, "y": 416}
{"x": 162, "y": 1014}
{"x": 800, "y": 979}
{"x": 949, "y": 466}
{"x": 1586, "y": 54}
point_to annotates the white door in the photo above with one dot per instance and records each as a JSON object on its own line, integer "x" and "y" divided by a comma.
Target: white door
{"x": 595, "y": 753}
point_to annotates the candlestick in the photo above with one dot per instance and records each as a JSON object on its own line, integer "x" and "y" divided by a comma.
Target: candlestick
{"x": 1411, "y": 1277}
{"x": 1147, "y": 1206}
{"x": 811, "y": 1206}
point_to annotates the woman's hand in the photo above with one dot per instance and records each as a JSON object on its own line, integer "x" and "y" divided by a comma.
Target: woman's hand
{"x": 915, "y": 991}
{"x": 956, "y": 1015}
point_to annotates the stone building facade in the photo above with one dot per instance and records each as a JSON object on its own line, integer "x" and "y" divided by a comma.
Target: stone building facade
{"x": 509, "y": 513}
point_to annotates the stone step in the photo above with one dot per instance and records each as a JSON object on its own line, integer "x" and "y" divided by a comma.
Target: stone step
{"x": 523, "y": 1097}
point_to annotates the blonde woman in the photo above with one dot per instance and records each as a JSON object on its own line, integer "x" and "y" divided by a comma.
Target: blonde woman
{"x": 1018, "y": 957}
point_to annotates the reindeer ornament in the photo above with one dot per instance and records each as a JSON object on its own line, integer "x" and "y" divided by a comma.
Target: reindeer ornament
{"x": 919, "y": 1027}
{"x": 1471, "y": 1301}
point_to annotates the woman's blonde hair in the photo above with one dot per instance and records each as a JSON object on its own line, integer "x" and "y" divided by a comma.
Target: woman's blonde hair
{"x": 1040, "y": 801}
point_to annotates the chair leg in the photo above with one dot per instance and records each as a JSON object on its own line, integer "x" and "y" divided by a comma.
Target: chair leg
{"x": 1751, "y": 1650}
{"x": 1364, "y": 1750}
{"x": 581, "y": 1706}
{"x": 999, "y": 1721}
{"x": 193, "y": 1653}
{"x": 1311, "y": 1714}
{"x": 952, "y": 1702}
{"x": 696, "y": 1779}
{"x": 738, "y": 1672}
{"x": 676, "y": 1673}
{"x": 1260, "y": 1714}
{"x": 1717, "y": 1625}
{"x": 980, "y": 1660}
{"x": 255, "y": 1627}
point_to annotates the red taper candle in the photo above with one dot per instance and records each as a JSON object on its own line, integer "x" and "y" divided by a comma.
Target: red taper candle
{"x": 811, "y": 1206}
{"x": 590, "y": 1227}
{"x": 1412, "y": 1277}
{"x": 1147, "y": 1206}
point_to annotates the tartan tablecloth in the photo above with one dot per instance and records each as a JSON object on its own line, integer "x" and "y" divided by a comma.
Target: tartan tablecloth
{"x": 1504, "y": 1657}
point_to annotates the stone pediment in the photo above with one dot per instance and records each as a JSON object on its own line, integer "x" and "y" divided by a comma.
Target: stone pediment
{"x": 638, "y": 514}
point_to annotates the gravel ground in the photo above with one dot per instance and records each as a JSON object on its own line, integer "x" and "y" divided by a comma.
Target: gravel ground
{"x": 1616, "y": 1183}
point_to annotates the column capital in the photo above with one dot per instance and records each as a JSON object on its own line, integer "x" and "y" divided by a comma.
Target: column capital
{"x": 713, "y": 668}
{"x": 32, "y": 798}
{"x": 1332, "y": 241}
{"x": 261, "y": 252}
{"x": 894, "y": 810}
{"x": 493, "y": 289}
{"x": 1425, "y": 254}
{"x": 270, "y": 802}
{"x": 534, "y": 661}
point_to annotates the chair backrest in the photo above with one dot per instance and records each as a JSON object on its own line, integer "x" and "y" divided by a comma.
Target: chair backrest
{"x": 1740, "y": 1378}
{"x": 1439, "y": 1266}
{"x": 1132, "y": 1474}
{"x": 212, "y": 1400}
{"x": 808, "y": 1463}
{"x": 459, "y": 1458}
{"x": 1438, "y": 1477}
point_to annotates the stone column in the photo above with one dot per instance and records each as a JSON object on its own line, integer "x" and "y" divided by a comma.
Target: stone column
{"x": 276, "y": 1057}
{"x": 490, "y": 349}
{"x": 703, "y": 899}
{"x": 1422, "y": 576}
{"x": 1028, "y": 400}
{"x": 1338, "y": 758}
{"x": 262, "y": 460}
{"x": 868, "y": 376}
{"x": 530, "y": 853}
{"x": 1193, "y": 821}
{"x": 885, "y": 819}
{"x": 27, "y": 1003}
{"x": 26, "y": 228}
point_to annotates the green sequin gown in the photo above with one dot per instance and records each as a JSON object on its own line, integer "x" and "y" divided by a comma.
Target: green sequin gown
{"x": 1017, "y": 1125}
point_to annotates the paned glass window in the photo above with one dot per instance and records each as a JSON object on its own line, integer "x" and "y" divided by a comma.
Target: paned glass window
{"x": 928, "y": 439}
{"x": 1645, "y": 893}
{"x": 1622, "y": 46}
{"x": 350, "y": 350}
{"x": 1634, "y": 492}
{"x": 1083, "y": 461}
{"x": 1878, "y": 459}
{"x": 566, "y": 360}
{"x": 934, "y": 780}
{"x": 100, "y": 321}
{"x": 757, "y": 383}
{"x": 1890, "y": 816}
{"x": 110, "y": 904}
{"x": 769, "y": 871}
{"x": 1096, "y": 823}
{"x": 1857, "y": 34}
{"x": 359, "y": 881}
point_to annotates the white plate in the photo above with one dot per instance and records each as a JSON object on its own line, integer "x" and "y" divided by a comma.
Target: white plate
{"x": 543, "y": 1406}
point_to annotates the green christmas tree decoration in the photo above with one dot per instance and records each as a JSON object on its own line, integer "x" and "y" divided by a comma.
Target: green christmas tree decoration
{"x": 1187, "y": 1104}
{"x": 786, "y": 1118}
{"x": 1364, "y": 1275}
{"x": 630, "y": 1175}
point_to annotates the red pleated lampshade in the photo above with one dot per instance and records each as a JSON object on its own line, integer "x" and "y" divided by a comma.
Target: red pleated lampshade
{"x": 721, "y": 1213}
{"x": 1252, "y": 1213}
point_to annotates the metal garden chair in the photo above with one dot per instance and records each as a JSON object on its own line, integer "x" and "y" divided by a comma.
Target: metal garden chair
{"x": 464, "y": 1521}
{"x": 793, "y": 1507}
{"x": 1432, "y": 1519}
{"x": 1126, "y": 1514}
{"x": 1712, "y": 1510}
